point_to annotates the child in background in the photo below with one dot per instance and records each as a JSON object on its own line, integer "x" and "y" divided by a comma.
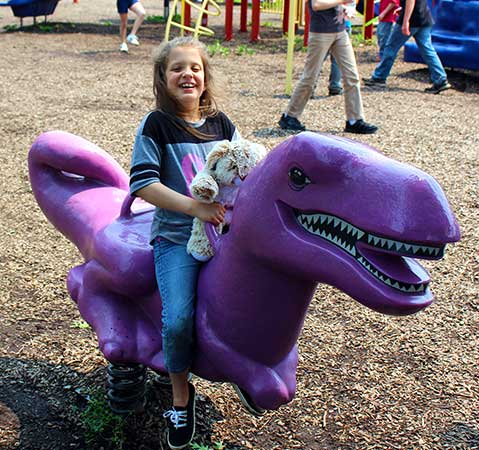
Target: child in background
{"x": 123, "y": 6}
{"x": 387, "y": 17}
{"x": 170, "y": 146}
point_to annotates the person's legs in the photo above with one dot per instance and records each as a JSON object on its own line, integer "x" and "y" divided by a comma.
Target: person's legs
{"x": 177, "y": 275}
{"x": 140, "y": 12}
{"x": 318, "y": 46}
{"x": 395, "y": 42}
{"x": 422, "y": 36}
{"x": 335, "y": 85}
{"x": 383, "y": 31}
{"x": 343, "y": 52}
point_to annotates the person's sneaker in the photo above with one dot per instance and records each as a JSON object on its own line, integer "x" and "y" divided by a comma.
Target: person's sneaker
{"x": 181, "y": 422}
{"x": 248, "y": 402}
{"x": 133, "y": 39}
{"x": 375, "y": 82}
{"x": 290, "y": 123}
{"x": 124, "y": 47}
{"x": 360, "y": 127}
{"x": 436, "y": 88}
{"x": 335, "y": 91}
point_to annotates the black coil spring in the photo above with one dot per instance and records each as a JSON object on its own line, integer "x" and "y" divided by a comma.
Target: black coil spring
{"x": 126, "y": 388}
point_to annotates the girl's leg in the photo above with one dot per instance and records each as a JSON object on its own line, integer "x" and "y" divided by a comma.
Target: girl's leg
{"x": 138, "y": 9}
{"x": 177, "y": 275}
{"x": 123, "y": 26}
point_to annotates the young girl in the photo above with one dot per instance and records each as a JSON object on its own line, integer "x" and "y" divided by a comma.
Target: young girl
{"x": 170, "y": 147}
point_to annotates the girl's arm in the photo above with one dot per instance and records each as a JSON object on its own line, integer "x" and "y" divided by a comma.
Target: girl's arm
{"x": 319, "y": 5}
{"x": 162, "y": 196}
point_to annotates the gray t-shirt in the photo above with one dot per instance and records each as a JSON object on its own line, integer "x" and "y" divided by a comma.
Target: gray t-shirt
{"x": 164, "y": 152}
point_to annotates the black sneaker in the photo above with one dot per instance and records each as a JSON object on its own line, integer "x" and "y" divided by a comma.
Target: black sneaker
{"x": 436, "y": 88}
{"x": 360, "y": 127}
{"x": 290, "y": 123}
{"x": 181, "y": 422}
{"x": 375, "y": 82}
{"x": 247, "y": 402}
{"x": 335, "y": 91}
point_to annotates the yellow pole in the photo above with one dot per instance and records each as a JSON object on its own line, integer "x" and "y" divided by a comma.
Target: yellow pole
{"x": 290, "y": 54}
{"x": 182, "y": 28}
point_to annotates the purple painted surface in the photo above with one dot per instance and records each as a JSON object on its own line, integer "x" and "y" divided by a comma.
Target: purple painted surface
{"x": 318, "y": 209}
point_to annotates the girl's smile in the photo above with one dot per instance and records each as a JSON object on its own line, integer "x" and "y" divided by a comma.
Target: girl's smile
{"x": 185, "y": 80}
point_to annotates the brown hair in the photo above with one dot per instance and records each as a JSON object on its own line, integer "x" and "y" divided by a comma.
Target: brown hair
{"x": 165, "y": 102}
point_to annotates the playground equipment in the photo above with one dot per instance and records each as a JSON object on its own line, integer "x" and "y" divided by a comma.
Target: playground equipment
{"x": 455, "y": 35}
{"x": 317, "y": 209}
{"x": 31, "y": 8}
{"x": 185, "y": 24}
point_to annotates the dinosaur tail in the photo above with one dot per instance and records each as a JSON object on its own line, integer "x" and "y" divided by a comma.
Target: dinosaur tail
{"x": 78, "y": 186}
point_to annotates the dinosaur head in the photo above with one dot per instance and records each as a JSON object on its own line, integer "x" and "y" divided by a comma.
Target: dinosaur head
{"x": 336, "y": 211}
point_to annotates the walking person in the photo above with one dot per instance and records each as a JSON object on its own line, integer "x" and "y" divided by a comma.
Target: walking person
{"x": 328, "y": 34}
{"x": 170, "y": 142}
{"x": 386, "y": 19}
{"x": 415, "y": 19}
{"x": 135, "y": 6}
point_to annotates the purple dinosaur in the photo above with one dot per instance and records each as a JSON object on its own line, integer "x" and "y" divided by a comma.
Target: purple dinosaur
{"x": 318, "y": 209}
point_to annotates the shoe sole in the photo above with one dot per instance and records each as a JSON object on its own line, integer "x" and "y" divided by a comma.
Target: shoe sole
{"x": 246, "y": 404}
{"x": 438, "y": 91}
{"x": 291, "y": 129}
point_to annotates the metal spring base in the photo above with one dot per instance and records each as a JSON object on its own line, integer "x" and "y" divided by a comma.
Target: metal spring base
{"x": 126, "y": 388}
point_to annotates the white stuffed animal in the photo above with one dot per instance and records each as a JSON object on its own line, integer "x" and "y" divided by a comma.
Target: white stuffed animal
{"x": 227, "y": 165}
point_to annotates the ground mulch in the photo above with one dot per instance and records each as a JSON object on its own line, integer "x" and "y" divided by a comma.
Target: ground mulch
{"x": 365, "y": 380}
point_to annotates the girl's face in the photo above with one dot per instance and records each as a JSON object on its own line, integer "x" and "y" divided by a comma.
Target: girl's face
{"x": 185, "y": 77}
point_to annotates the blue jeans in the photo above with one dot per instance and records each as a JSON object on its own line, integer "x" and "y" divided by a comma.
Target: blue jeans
{"x": 177, "y": 277}
{"x": 382, "y": 33}
{"x": 422, "y": 36}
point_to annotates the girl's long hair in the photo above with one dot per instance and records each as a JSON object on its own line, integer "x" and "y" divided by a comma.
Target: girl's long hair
{"x": 168, "y": 104}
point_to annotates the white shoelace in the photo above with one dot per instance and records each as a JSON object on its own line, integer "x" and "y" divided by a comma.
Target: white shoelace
{"x": 178, "y": 418}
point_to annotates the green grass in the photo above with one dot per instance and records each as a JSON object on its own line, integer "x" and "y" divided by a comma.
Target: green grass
{"x": 80, "y": 324}
{"x": 219, "y": 49}
{"x": 155, "y": 19}
{"x": 216, "y": 446}
{"x": 101, "y": 424}
{"x": 11, "y": 27}
{"x": 243, "y": 49}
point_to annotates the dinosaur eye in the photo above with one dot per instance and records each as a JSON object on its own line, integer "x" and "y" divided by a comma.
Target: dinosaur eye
{"x": 298, "y": 179}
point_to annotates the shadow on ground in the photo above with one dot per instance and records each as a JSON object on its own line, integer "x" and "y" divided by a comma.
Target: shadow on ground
{"x": 41, "y": 405}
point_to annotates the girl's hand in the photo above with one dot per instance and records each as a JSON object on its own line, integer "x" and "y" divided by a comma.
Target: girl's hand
{"x": 210, "y": 212}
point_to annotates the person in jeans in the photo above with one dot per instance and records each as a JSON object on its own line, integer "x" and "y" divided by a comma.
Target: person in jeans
{"x": 328, "y": 34}
{"x": 415, "y": 19}
{"x": 123, "y": 6}
{"x": 386, "y": 19}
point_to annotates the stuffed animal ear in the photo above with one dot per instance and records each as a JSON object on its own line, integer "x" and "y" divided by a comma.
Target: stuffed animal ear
{"x": 247, "y": 155}
{"x": 204, "y": 188}
{"x": 218, "y": 151}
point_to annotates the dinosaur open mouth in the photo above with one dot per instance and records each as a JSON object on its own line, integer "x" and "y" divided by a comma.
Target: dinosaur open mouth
{"x": 388, "y": 260}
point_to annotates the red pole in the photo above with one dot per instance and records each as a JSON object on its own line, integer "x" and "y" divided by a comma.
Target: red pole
{"x": 204, "y": 19}
{"x": 255, "y": 13}
{"x": 243, "y": 15}
{"x": 306, "y": 24}
{"x": 229, "y": 20}
{"x": 285, "y": 16}
{"x": 187, "y": 16}
{"x": 368, "y": 15}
